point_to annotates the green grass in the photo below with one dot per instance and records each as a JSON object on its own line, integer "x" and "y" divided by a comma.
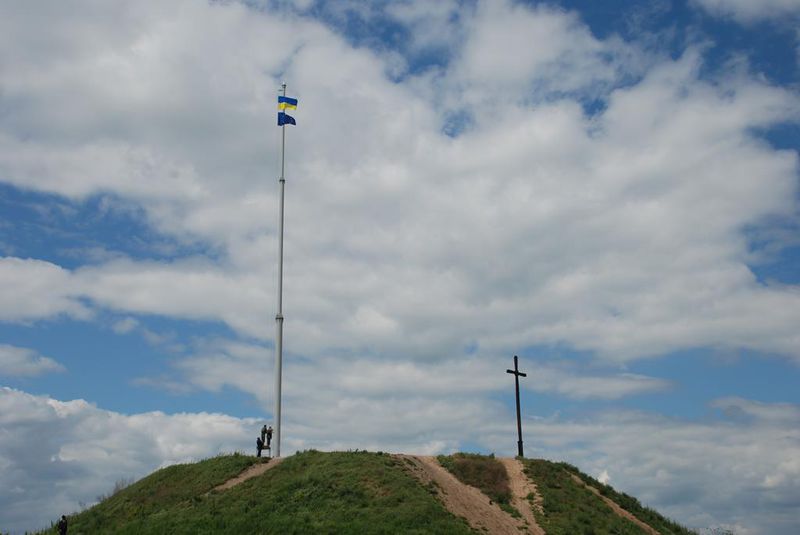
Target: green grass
{"x": 647, "y": 515}
{"x": 570, "y": 508}
{"x": 311, "y": 492}
{"x": 162, "y": 490}
{"x": 483, "y": 472}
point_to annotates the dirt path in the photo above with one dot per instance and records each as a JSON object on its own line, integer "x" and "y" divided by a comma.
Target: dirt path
{"x": 521, "y": 487}
{"x": 615, "y": 507}
{"x": 250, "y": 472}
{"x": 462, "y": 500}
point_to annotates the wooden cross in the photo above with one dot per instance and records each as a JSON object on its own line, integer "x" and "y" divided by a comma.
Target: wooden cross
{"x": 517, "y": 374}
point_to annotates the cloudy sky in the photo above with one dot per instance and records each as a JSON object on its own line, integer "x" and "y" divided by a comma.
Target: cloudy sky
{"x": 607, "y": 189}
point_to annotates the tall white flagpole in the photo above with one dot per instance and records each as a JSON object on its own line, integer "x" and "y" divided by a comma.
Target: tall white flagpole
{"x": 279, "y": 315}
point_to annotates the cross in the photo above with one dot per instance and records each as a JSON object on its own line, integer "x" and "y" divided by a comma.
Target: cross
{"x": 517, "y": 374}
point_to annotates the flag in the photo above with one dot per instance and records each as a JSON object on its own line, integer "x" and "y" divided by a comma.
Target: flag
{"x": 286, "y": 103}
{"x": 284, "y": 118}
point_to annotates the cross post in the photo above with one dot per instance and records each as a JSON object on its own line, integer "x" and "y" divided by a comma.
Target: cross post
{"x": 517, "y": 374}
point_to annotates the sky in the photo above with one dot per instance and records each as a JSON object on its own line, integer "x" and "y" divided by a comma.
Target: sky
{"x": 607, "y": 189}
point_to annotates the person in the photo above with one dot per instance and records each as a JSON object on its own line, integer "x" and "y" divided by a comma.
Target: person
{"x": 259, "y": 446}
{"x": 269, "y": 436}
{"x": 263, "y": 432}
{"x": 62, "y": 525}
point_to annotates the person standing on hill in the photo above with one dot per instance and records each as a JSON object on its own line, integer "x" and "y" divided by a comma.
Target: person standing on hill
{"x": 263, "y": 432}
{"x": 269, "y": 436}
{"x": 62, "y": 525}
{"x": 259, "y": 446}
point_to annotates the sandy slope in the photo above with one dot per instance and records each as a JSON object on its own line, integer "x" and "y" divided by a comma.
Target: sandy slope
{"x": 465, "y": 501}
{"x": 521, "y": 486}
{"x": 252, "y": 471}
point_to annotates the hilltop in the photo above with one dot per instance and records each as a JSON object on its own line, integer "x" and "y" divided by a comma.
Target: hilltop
{"x": 361, "y": 492}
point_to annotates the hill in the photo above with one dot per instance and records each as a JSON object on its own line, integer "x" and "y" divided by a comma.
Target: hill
{"x": 361, "y": 492}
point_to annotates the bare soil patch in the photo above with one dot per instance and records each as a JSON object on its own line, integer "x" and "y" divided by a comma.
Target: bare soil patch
{"x": 463, "y": 500}
{"x": 250, "y": 472}
{"x": 521, "y": 487}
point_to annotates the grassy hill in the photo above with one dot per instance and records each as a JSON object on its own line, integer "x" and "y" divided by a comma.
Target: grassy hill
{"x": 345, "y": 492}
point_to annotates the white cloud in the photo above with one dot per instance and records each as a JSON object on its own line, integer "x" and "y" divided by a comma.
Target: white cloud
{"x": 560, "y": 381}
{"x": 125, "y": 325}
{"x": 748, "y": 12}
{"x": 634, "y": 247}
{"x": 433, "y": 26}
{"x": 73, "y": 451}
{"x": 34, "y": 289}
{"x": 618, "y": 234}
{"x": 604, "y": 477}
{"x": 513, "y": 52}
{"x": 214, "y": 364}
{"x": 220, "y": 363}
{"x": 21, "y": 361}
{"x": 777, "y": 412}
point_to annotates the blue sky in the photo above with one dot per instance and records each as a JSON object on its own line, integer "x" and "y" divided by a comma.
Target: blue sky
{"x": 608, "y": 190}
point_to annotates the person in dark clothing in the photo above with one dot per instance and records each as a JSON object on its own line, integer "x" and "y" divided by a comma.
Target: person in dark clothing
{"x": 62, "y": 525}
{"x": 259, "y": 446}
{"x": 269, "y": 436}
{"x": 263, "y": 432}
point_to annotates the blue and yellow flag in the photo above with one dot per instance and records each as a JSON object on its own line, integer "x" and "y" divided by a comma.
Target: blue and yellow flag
{"x": 286, "y": 103}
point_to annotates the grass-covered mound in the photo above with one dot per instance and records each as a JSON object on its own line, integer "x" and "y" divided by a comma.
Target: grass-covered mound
{"x": 310, "y": 492}
{"x": 353, "y": 492}
{"x": 483, "y": 472}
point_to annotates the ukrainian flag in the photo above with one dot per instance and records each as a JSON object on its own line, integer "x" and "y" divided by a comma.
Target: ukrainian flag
{"x": 286, "y": 103}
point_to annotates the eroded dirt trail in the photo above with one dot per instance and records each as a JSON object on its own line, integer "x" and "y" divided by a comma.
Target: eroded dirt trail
{"x": 615, "y": 507}
{"x": 521, "y": 487}
{"x": 250, "y": 472}
{"x": 463, "y": 500}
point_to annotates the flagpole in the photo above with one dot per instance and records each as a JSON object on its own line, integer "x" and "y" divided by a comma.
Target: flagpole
{"x": 279, "y": 315}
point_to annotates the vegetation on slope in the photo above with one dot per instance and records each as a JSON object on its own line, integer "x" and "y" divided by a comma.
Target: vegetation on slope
{"x": 647, "y": 515}
{"x": 569, "y": 507}
{"x": 483, "y": 472}
{"x": 161, "y": 491}
{"x": 310, "y": 492}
